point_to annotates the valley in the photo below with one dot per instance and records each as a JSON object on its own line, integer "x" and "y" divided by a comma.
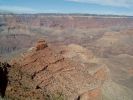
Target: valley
{"x": 88, "y": 56}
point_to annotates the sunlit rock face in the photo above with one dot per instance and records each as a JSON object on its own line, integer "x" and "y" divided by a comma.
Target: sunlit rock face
{"x": 41, "y": 44}
{"x": 50, "y": 70}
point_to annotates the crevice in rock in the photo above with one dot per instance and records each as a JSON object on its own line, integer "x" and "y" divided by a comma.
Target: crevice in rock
{"x": 59, "y": 60}
{"x": 33, "y": 76}
{"x": 78, "y": 98}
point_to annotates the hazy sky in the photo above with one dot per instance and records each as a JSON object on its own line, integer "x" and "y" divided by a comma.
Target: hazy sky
{"x": 120, "y": 7}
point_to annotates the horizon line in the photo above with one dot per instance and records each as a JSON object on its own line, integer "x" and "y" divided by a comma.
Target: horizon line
{"x": 60, "y": 13}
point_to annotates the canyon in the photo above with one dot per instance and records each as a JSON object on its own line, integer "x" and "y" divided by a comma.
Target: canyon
{"x": 67, "y": 57}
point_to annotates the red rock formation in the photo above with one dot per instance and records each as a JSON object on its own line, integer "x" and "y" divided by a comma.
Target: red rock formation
{"x": 41, "y": 44}
{"x": 48, "y": 69}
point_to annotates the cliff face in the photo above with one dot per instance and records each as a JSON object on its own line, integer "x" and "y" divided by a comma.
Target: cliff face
{"x": 66, "y": 21}
{"x": 58, "y": 72}
{"x": 18, "y": 32}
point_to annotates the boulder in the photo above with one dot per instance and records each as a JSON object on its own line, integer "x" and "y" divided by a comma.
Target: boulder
{"x": 41, "y": 44}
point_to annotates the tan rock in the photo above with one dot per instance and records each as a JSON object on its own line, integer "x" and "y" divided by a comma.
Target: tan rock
{"x": 94, "y": 94}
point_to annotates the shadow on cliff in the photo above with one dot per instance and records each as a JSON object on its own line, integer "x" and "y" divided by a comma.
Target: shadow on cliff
{"x": 3, "y": 78}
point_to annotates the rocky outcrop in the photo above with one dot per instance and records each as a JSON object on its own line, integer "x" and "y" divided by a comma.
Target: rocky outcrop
{"x": 49, "y": 71}
{"x": 64, "y": 72}
{"x": 41, "y": 44}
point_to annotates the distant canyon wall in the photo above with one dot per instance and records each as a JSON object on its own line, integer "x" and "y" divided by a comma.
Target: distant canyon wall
{"x": 64, "y": 22}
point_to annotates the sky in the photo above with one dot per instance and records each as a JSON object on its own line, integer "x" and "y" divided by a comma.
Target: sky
{"x": 114, "y": 7}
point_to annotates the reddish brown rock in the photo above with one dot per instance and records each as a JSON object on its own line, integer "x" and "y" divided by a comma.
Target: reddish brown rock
{"x": 130, "y": 71}
{"x": 94, "y": 94}
{"x": 102, "y": 74}
{"x": 41, "y": 44}
{"x": 47, "y": 69}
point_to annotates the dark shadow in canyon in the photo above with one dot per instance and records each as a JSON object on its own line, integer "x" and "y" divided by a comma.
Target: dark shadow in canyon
{"x": 3, "y": 78}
